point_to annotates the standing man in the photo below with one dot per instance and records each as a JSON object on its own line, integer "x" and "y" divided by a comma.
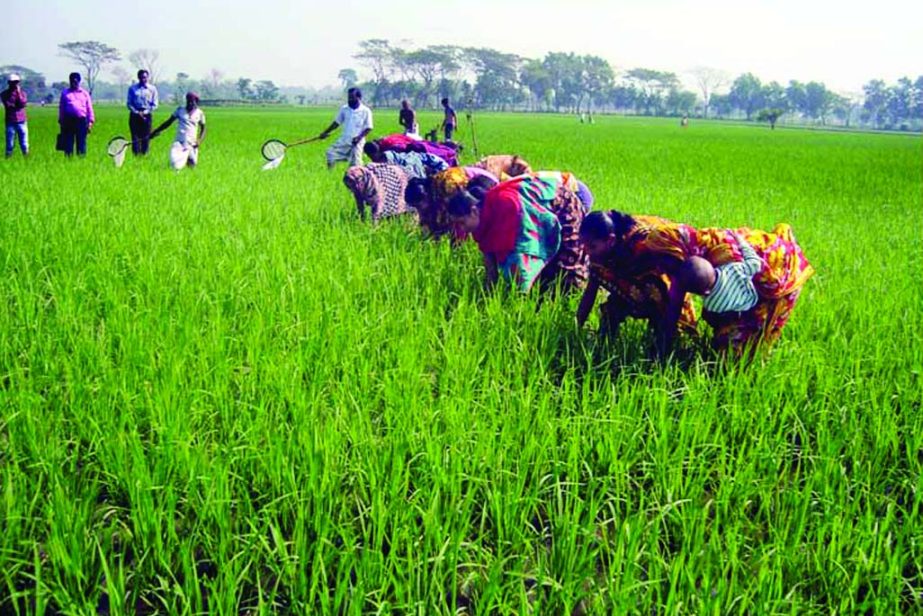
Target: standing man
{"x": 450, "y": 121}
{"x": 142, "y": 101}
{"x": 190, "y": 133}
{"x": 356, "y": 120}
{"x": 408, "y": 118}
{"x": 14, "y": 111}
{"x": 75, "y": 116}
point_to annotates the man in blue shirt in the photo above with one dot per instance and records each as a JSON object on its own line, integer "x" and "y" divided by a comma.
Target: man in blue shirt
{"x": 142, "y": 101}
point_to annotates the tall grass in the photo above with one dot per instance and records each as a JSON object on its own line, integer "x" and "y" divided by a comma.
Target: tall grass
{"x": 221, "y": 392}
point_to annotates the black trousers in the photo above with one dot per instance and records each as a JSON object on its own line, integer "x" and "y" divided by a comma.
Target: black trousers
{"x": 74, "y": 130}
{"x": 140, "y": 127}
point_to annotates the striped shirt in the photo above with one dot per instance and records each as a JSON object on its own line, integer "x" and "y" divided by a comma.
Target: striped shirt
{"x": 734, "y": 290}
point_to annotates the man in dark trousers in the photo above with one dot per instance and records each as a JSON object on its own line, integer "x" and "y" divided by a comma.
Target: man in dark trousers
{"x": 142, "y": 101}
{"x": 450, "y": 121}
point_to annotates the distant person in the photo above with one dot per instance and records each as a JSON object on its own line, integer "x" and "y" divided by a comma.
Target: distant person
{"x": 449, "y": 121}
{"x": 685, "y": 121}
{"x": 14, "y": 111}
{"x": 75, "y": 116}
{"x": 142, "y": 101}
{"x": 356, "y": 120}
{"x": 190, "y": 133}
{"x": 408, "y": 119}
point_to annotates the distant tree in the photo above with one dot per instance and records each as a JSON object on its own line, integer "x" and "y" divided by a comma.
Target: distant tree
{"x": 244, "y": 88}
{"x": 181, "y": 85}
{"x": 624, "y": 97}
{"x": 266, "y": 91}
{"x": 596, "y": 79}
{"x": 348, "y": 77}
{"x": 844, "y": 107}
{"x": 92, "y": 56}
{"x": 721, "y": 105}
{"x": 900, "y": 102}
{"x": 818, "y": 101}
{"x": 497, "y": 74}
{"x": 680, "y": 102}
{"x": 916, "y": 107}
{"x": 654, "y": 86}
{"x": 147, "y": 59}
{"x": 565, "y": 71}
{"x": 796, "y": 97}
{"x": 746, "y": 94}
{"x": 774, "y": 96}
{"x": 770, "y": 115}
{"x": 377, "y": 55}
{"x": 428, "y": 64}
{"x": 876, "y": 101}
{"x": 709, "y": 80}
{"x": 122, "y": 78}
{"x": 214, "y": 78}
{"x": 33, "y": 82}
{"x": 534, "y": 76}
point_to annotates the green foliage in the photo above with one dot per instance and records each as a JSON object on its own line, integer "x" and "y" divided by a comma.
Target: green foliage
{"x": 92, "y": 56}
{"x": 222, "y": 393}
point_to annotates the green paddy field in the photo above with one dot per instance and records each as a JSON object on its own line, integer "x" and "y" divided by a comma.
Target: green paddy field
{"x": 222, "y": 393}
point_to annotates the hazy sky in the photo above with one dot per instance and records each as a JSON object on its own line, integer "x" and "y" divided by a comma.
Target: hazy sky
{"x": 843, "y": 43}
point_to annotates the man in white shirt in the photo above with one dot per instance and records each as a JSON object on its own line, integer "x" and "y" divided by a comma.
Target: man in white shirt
{"x": 190, "y": 132}
{"x": 356, "y": 120}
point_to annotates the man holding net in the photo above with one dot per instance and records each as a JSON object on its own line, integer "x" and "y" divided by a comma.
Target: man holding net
{"x": 356, "y": 120}
{"x": 190, "y": 133}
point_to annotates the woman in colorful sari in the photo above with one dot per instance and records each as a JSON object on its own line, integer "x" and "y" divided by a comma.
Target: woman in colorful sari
{"x": 527, "y": 229}
{"x": 430, "y": 197}
{"x": 403, "y": 143}
{"x": 416, "y": 165}
{"x": 504, "y": 166}
{"x": 575, "y": 185}
{"x": 641, "y": 261}
{"x": 380, "y": 187}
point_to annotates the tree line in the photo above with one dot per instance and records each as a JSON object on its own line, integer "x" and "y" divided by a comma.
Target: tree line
{"x": 568, "y": 82}
{"x": 484, "y": 78}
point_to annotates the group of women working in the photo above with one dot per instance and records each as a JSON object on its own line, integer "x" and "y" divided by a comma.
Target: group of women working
{"x": 536, "y": 230}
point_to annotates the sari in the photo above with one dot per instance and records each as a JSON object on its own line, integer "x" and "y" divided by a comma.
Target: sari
{"x": 403, "y": 143}
{"x": 530, "y": 227}
{"x": 778, "y": 283}
{"x": 434, "y": 216}
{"x": 636, "y": 289}
{"x": 504, "y": 166}
{"x": 415, "y": 164}
{"x": 573, "y": 184}
{"x": 380, "y": 186}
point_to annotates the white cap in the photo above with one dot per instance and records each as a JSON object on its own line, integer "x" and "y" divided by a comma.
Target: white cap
{"x": 14, "y": 77}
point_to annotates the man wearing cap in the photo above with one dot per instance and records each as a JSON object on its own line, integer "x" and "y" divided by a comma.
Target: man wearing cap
{"x": 356, "y": 120}
{"x": 142, "y": 101}
{"x": 14, "y": 108}
{"x": 190, "y": 132}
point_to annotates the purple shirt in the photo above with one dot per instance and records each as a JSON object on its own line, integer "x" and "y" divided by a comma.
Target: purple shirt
{"x": 14, "y": 105}
{"x": 76, "y": 104}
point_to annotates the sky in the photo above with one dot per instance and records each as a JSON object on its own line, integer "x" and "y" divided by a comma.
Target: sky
{"x": 843, "y": 43}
